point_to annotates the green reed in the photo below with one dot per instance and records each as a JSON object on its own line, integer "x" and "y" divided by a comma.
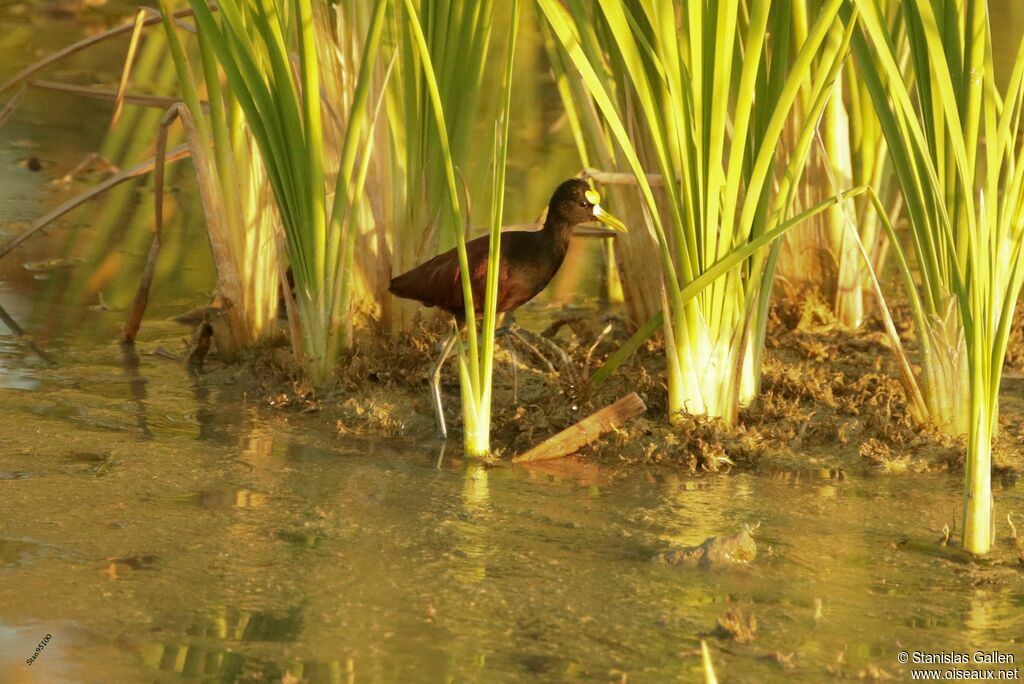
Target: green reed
{"x": 476, "y": 358}
{"x": 253, "y": 44}
{"x": 702, "y": 98}
{"x": 954, "y": 141}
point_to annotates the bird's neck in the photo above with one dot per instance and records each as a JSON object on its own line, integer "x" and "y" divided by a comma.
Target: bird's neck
{"x": 559, "y": 231}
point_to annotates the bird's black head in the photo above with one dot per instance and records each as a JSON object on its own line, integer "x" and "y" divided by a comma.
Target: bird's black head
{"x": 575, "y": 202}
{"x": 570, "y": 204}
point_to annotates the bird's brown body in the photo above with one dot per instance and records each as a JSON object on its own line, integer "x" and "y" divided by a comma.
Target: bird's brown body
{"x": 529, "y": 260}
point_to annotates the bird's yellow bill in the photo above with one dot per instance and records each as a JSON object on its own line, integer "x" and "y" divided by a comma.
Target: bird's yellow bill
{"x": 609, "y": 220}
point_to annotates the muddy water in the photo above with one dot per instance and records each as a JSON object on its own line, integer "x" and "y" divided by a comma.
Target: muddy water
{"x": 163, "y": 529}
{"x": 166, "y": 527}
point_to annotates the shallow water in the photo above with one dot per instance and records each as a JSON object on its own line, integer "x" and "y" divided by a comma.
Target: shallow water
{"x": 155, "y": 525}
{"x": 165, "y": 527}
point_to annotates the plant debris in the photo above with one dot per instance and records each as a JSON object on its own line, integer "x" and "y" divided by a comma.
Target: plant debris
{"x": 738, "y": 624}
{"x": 717, "y": 551}
{"x": 832, "y": 392}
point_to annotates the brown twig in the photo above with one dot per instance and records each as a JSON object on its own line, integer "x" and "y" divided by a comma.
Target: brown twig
{"x": 138, "y": 308}
{"x": 578, "y": 231}
{"x": 98, "y": 94}
{"x": 514, "y": 332}
{"x": 590, "y": 352}
{"x": 655, "y": 180}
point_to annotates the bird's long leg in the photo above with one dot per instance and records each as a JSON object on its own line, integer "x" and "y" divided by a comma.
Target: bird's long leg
{"x": 435, "y": 380}
{"x": 440, "y": 456}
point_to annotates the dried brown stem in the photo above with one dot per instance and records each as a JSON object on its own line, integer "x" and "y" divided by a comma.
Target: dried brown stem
{"x": 655, "y": 180}
{"x": 97, "y": 94}
{"x": 138, "y": 308}
{"x": 574, "y": 437}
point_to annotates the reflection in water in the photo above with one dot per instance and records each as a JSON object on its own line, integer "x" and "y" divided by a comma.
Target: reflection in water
{"x": 228, "y": 498}
{"x": 329, "y": 561}
{"x": 298, "y": 554}
{"x": 690, "y": 520}
{"x": 471, "y": 528}
{"x": 440, "y": 455}
{"x": 206, "y": 415}
{"x": 136, "y": 388}
{"x": 109, "y": 253}
{"x": 206, "y": 656}
{"x": 16, "y": 552}
{"x": 12, "y": 356}
{"x": 994, "y": 609}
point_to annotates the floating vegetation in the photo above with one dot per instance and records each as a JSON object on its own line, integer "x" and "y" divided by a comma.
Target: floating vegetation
{"x": 717, "y": 552}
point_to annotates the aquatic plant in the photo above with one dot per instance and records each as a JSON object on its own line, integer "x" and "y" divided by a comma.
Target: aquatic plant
{"x": 704, "y": 101}
{"x": 476, "y": 357}
{"x": 706, "y": 664}
{"x": 281, "y": 106}
{"x": 239, "y": 221}
{"x": 242, "y": 223}
{"x": 823, "y": 256}
{"x": 955, "y": 147}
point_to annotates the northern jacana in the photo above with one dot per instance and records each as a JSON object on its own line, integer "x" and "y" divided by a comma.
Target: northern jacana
{"x": 529, "y": 260}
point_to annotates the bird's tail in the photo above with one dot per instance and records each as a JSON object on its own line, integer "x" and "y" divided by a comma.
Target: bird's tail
{"x": 403, "y": 286}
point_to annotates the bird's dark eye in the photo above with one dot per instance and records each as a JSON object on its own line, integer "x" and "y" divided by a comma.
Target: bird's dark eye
{"x": 584, "y": 204}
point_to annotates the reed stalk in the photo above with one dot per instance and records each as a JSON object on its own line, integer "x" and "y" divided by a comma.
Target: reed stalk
{"x": 456, "y": 40}
{"x": 627, "y": 276}
{"x": 823, "y": 256}
{"x": 476, "y": 356}
{"x": 704, "y": 100}
{"x": 955, "y": 147}
{"x": 280, "y": 103}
